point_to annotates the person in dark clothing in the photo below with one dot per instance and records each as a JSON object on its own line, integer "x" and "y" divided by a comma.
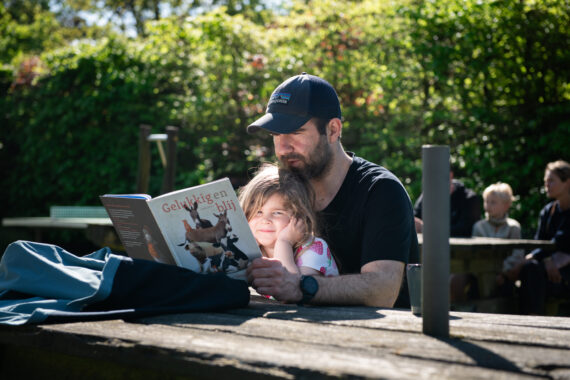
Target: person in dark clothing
{"x": 546, "y": 272}
{"x": 465, "y": 209}
{"x": 364, "y": 210}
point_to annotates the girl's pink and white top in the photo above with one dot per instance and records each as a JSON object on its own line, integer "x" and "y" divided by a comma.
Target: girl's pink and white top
{"x": 316, "y": 255}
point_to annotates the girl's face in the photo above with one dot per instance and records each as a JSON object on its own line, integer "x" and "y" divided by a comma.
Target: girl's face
{"x": 269, "y": 221}
{"x": 554, "y": 186}
{"x": 495, "y": 206}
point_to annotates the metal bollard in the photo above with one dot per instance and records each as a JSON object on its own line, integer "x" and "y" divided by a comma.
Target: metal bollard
{"x": 435, "y": 250}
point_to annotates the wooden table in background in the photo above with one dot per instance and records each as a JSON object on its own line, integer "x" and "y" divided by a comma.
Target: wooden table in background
{"x": 99, "y": 231}
{"x": 267, "y": 340}
{"x": 483, "y": 257}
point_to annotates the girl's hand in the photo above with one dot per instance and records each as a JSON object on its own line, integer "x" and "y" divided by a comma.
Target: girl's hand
{"x": 293, "y": 232}
{"x": 286, "y": 240}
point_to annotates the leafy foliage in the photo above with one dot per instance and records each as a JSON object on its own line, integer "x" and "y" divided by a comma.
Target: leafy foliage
{"x": 490, "y": 79}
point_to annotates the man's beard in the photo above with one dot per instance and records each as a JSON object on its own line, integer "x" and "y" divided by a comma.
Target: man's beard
{"x": 315, "y": 166}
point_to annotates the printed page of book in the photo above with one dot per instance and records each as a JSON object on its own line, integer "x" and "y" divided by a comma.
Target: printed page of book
{"x": 137, "y": 228}
{"x": 206, "y": 229}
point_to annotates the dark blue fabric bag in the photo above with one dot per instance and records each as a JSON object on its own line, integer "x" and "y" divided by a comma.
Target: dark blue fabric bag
{"x": 43, "y": 283}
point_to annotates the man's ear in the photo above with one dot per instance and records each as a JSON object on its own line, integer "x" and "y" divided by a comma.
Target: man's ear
{"x": 334, "y": 130}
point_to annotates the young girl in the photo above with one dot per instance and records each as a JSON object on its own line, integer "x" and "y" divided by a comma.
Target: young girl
{"x": 278, "y": 206}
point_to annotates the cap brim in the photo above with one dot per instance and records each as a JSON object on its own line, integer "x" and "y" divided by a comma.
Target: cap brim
{"x": 278, "y": 123}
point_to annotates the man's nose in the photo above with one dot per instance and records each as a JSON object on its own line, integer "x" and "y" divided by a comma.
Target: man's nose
{"x": 282, "y": 144}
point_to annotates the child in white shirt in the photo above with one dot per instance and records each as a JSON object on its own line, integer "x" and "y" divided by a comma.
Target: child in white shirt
{"x": 497, "y": 200}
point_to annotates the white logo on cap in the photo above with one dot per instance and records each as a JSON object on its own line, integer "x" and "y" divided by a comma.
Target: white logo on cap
{"x": 280, "y": 97}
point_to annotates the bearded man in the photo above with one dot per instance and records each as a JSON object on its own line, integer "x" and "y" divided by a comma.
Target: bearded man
{"x": 365, "y": 212}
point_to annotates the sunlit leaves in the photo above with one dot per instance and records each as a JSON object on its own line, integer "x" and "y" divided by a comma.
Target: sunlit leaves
{"x": 489, "y": 78}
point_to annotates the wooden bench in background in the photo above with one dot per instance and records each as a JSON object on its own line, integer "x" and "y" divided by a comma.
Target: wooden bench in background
{"x": 93, "y": 219}
{"x": 483, "y": 257}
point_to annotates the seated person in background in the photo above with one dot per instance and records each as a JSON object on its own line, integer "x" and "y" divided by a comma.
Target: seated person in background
{"x": 465, "y": 209}
{"x": 497, "y": 200}
{"x": 547, "y": 271}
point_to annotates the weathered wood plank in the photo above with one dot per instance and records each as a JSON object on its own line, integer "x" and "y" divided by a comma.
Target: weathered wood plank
{"x": 286, "y": 341}
{"x": 188, "y": 348}
{"x": 546, "y": 331}
{"x": 468, "y": 352}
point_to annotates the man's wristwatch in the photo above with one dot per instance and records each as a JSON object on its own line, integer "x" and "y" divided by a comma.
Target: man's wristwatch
{"x": 309, "y": 287}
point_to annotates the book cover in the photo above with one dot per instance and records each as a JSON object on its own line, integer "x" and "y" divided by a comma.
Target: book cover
{"x": 202, "y": 228}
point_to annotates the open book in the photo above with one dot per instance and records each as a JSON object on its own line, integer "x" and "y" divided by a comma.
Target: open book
{"x": 202, "y": 228}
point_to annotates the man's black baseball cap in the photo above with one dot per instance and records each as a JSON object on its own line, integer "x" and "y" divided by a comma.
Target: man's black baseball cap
{"x": 296, "y": 101}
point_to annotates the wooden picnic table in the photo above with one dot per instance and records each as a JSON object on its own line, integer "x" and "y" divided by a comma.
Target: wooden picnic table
{"x": 98, "y": 230}
{"x": 49, "y": 222}
{"x": 483, "y": 258}
{"x": 484, "y": 244}
{"x": 268, "y": 340}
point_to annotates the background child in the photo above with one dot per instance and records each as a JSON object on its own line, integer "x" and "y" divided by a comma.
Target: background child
{"x": 497, "y": 200}
{"x": 279, "y": 208}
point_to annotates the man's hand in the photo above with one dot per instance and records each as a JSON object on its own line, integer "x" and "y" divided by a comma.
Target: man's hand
{"x": 377, "y": 285}
{"x": 270, "y": 277}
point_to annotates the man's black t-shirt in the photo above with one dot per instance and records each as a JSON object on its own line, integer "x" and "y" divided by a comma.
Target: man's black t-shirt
{"x": 370, "y": 218}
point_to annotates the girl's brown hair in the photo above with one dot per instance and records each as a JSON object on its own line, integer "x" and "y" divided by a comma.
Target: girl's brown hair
{"x": 297, "y": 193}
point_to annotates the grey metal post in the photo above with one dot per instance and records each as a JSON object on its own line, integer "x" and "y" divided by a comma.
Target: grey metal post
{"x": 435, "y": 250}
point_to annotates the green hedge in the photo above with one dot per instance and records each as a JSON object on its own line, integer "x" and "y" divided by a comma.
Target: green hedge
{"x": 490, "y": 79}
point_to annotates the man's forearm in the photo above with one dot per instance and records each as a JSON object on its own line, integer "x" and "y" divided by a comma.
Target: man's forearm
{"x": 369, "y": 288}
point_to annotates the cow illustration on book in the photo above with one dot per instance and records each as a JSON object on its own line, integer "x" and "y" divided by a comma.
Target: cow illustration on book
{"x": 225, "y": 258}
{"x": 212, "y": 234}
{"x": 239, "y": 256}
{"x": 206, "y": 242}
{"x": 199, "y": 222}
{"x": 224, "y": 262}
{"x": 203, "y": 251}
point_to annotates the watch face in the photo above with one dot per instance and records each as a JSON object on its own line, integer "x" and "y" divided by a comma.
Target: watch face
{"x": 309, "y": 286}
